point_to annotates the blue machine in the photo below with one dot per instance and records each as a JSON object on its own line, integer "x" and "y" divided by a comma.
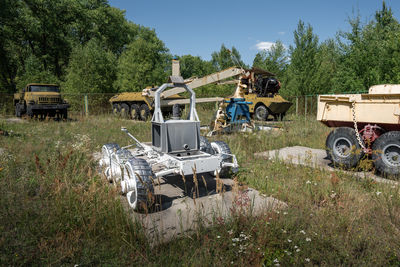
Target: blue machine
{"x": 237, "y": 112}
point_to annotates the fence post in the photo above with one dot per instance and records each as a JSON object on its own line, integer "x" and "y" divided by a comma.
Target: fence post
{"x": 86, "y": 105}
{"x": 297, "y": 105}
{"x": 305, "y": 106}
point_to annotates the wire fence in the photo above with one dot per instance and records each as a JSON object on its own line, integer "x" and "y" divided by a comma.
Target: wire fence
{"x": 98, "y": 104}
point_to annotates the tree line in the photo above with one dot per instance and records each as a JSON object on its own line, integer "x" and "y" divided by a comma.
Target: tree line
{"x": 88, "y": 46}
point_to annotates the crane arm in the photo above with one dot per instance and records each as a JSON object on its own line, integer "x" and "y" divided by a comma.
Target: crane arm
{"x": 209, "y": 79}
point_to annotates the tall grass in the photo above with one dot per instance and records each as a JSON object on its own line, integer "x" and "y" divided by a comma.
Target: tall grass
{"x": 56, "y": 210}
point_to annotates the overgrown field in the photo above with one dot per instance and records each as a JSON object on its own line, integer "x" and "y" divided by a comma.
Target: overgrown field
{"x": 56, "y": 210}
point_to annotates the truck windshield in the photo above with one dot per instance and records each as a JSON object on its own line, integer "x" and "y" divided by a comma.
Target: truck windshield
{"x": 44, "y": 88}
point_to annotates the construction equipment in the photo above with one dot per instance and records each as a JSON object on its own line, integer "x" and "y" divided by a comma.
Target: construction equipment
{"x": 40, "y": 100}
{"x": 176, "y": 149}
{"x": 262, "y": 92}
{"x": 367, "y": 124}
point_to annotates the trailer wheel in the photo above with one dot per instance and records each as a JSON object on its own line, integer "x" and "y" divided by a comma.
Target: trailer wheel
{"x": 261, "y": 113}
{"x": 205, "y": 145}
{"x": 124, "y": 110}
{"x": 134, "y": 111}
{"x": 138, "y": 184}
{"x": 144, "y": 112}
{"x": 220, "y": 147}
{"x": 343, "y": 148}
{"x": 386, "y": 153}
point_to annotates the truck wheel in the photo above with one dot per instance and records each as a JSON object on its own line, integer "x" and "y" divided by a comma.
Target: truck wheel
{"x": 261, "y": 113}
{"x": 65, "y": 114}
{"x": 116, "y": 109}
{"x": 138, "y": 184}
{"x": 342, "y": 147}
{"x": 220, "y": 147}
{"x": 124, "y": 110}
{"x": 135, "y": 111}
{"x": 205, "y": 145}
{"x": 386, "y": 153}
{"x": 144, "y": 112}
{"x": 17, "y": 111}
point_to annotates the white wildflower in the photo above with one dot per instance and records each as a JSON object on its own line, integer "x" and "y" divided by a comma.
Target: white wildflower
{"x": 218, "y": 236}
{"x": 307, "y": 259}
{"x": 285, "y": 213}
{"x": 308, "y": 239}
{"x": 289, "y": 240}
{"x": 378, "y": 193}
{"x": 333, "y": 195}
{"x": 308, "y": 182}
{"x": 276, "y": 260}
{"x": 298, "y": 250}
{"x": 303, "y": 232}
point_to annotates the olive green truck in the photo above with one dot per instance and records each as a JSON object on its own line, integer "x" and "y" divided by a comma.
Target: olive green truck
{"x": 40, "y": 100}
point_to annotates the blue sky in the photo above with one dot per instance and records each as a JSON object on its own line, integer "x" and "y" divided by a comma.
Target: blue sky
{"x": 200, "y": 27}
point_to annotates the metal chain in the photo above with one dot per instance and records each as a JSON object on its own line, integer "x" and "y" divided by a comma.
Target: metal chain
{"x": 353, "y": 109}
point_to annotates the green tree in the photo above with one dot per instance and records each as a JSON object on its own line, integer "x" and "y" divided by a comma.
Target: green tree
{"x": 192, "y": 66}
{"x": 226, "y": 58}
{"x": 92, "y": 69}
{"x": 274, "y": 60}
{"x": 35, "y": 73}
{"x": 303, "y": 62}
{"x": 145, "y": 62}
{"x": 368, "y": 53}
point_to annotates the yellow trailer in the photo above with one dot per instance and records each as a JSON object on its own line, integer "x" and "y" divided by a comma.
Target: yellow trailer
{"x": 365, "y": 124}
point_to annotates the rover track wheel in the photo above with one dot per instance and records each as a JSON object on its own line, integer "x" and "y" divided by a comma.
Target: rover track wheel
{"x": 105, "y": 161}
{"x": 124, "y": 110}
{"x": 386, "y": 153}
{"x": 220, "y": 147}
{"x": 138, "y": 184}
{"x": 342, "y": 147}
{"x": 205, "y": 145}
{"x": 134, "y": 111}
{"x": 144, "y": 112}
{"x": 261, "y": 113}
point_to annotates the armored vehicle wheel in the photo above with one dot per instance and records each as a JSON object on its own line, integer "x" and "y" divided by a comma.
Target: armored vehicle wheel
{"x": 138, "y": 184}
{"x": 135, "y": 111}
{"x": 116, "y": 109}
{"x": 386, "y": 153}
{"x": 205, "y": 145}
{"x": 220, "y": 147}
{"x": 343, "y": 148}
{"x": 144, "y": 112}
{"x": 17, "y": 111}
{"x": 124, "y": 110}
{"x": 261, "y": 113}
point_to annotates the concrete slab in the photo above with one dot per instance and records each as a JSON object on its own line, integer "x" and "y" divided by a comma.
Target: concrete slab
{"x": 182, "y": 205}
{"x": 315, "y": 158}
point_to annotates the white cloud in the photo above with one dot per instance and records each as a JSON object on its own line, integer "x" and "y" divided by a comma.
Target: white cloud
{"x": 264, "y": 45}
{"x": 281, "y": 33}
